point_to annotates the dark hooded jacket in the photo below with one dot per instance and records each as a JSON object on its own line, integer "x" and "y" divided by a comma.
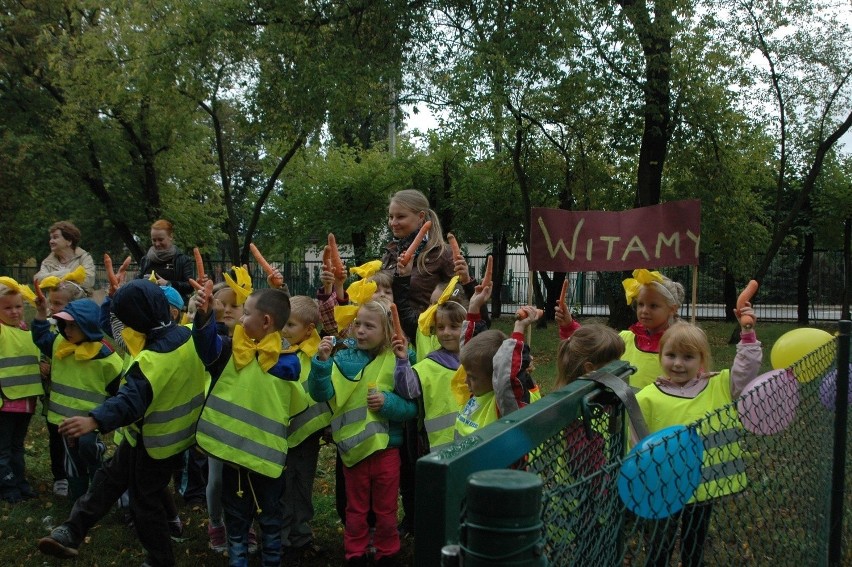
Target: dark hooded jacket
{"x": 142, "y": 306}
{"x": 86, "y": 314}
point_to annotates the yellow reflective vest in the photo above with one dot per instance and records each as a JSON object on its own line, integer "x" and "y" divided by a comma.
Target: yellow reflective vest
{"x": 79, "y": 386}
{"x": 440, "y": 408}
{"x": 476, "y": 414}
{"x": 317, "y": 415}
{"x": 357, "y": 431}
{"x": 647, "y": 363}
{"x": 245, "y": 417}
{"x": 177, "y": 379}
{"x": 19, "y": 372}
{"x": 723, "y": 467}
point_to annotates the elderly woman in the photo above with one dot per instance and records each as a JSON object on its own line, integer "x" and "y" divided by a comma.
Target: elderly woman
{"x": 168, "y": 264}
{"x": 65, "y": 255}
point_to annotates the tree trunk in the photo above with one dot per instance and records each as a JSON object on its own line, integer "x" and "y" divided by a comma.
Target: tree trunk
{"x": 499, "y": 250}
{"x": 729, "y": 292}
{"x": 804, "y": 272}
{"x": 621, "y": 315}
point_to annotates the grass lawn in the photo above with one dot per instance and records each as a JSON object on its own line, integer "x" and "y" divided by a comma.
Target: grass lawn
{"x": 111, "y": 543}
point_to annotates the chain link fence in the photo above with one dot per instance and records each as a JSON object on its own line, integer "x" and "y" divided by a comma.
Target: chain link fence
{"x": 757, "y": 482}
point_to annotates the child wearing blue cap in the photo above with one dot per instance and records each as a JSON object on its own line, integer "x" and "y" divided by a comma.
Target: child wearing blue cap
{"x": 85, "y": 371}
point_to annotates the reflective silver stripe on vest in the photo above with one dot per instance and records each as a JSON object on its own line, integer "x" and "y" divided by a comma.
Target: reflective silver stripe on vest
{"x": 440, "y": 422}
{"x": 245, "y": 415}
{"x": 243, "y": 444}
{"x": 373, "y": 428}
{"x": 18, "y": 361}
{"x": 721, "y": 438}
{"x": 315, "y": 410}
{"x": 723, "y": 470}
{"x": 21, "y": 380}
{"x": 352, "y": 416}
{"x": 78, "y": 393}
{"x": 168, "y": 439}
{"x": 175, "y": 412}
{"x": 65, "y": 410}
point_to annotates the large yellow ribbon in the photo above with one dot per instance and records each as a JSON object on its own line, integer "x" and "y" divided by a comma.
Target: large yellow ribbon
{"x": 245, "y": 349}
{"x": 426, "y": 321}
{"x": 308, "y": 346}
{"x": 24, "y": 290}
{"x": 359, "y": 292}
{"x": 632, "y": 286}
{"x": 77, "y": 275}
{"x": 83, "y": 351}
{"x": 242, "y": 286}
{"x": 458, "y": 387}
{"x": 133, "y": 340}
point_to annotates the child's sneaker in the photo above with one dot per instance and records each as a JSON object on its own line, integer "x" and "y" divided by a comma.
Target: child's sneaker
{"x": 60, "y": 487}
{"x": 218, "y": 538}
{"x": 252, "y": 541}
{"x": 60, "y": 543}
{"x": 176, "y": 529}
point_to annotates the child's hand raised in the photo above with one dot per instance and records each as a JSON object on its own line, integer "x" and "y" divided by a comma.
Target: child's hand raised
{"x": 275, "y": 279}
{"x": 746, "y": 317}
{"x": 375, "y": 401}
{"x": 325, "y": 347}
{"x": 400, "y": 347}
{"x": 563, "y": 316}
{"x": 462, "y": 270}
{"x": 327, "y": 278}
{"x": 480, "y": 297}
{"x": 203, "y": 296}
{"x": 525, "y": 316}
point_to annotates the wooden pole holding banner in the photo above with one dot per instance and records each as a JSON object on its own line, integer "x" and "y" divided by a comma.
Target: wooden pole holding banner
{"x": 694, "y": 293}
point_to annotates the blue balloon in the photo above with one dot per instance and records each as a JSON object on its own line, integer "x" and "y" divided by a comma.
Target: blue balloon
{"x": 660, "y": 474}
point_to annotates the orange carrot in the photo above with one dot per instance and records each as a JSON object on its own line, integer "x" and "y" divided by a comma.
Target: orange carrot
{"x": 208, "y": 292}
{"x": 326, "y": 258}
{"x": 489, "y": 272}
{"x": 406, "y": 256}
{"x": 521, "y": 314}
{"x": 199, "y": 263}
{"x": 38, "y": 292}
{"x": 122, "y": 269}
{"x": 113, "y": 280}
{"x": 397, "y": 326}
{"x": 334, "y": 256}
{"x": 454, "y": 246}
{"x": 745, "y": 297}
{"x": 562, "y": 295}
{"x": 267, "y": 267}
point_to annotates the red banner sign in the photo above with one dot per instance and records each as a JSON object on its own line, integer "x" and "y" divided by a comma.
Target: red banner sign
{"x": 647, "y": 237}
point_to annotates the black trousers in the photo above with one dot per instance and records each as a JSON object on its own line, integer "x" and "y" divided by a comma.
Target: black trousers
{"x": 132, "y": 469}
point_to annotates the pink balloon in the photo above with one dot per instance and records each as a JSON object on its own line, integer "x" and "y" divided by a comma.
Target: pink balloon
{"x": 768, "y": 404}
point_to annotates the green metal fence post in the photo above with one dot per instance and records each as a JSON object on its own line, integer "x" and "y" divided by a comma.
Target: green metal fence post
{"x": 502, "y": 523}
{"x": 838, "y": 473}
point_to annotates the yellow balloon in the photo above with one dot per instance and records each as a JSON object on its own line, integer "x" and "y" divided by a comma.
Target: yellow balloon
{"x": 795, "y": 349}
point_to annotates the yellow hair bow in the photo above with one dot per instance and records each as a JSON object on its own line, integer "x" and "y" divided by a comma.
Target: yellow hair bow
{"x": 427, "y": 319}
{"x": 83, "y": 351}
{"x": 367, "y": 269}
{"x": 359, "y": 292}
{"x": 632, "y": 286}
{"x": 245, "y": 349}
{"x": 242, "y": 287}
{"x": 24, "y": 290}
{"x": 77, "y": 275}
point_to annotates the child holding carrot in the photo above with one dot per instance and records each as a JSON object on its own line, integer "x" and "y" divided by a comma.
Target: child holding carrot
{"x": 304, "y": 434}
{"x": 359, "y": 380}
{"x": 657, "y": 300}
{"x": 686, "y": 392}
{"x": 20, "y": 385}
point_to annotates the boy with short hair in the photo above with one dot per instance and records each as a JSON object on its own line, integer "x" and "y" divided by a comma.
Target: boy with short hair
{"x": 159, "y": 402}
{"x": 305, "y": 432}
{"x": 254, "y": 390}
{"x": 492, "y": 363}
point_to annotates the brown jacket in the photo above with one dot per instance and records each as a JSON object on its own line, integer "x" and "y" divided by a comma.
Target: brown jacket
{"x": 438, "y": 269}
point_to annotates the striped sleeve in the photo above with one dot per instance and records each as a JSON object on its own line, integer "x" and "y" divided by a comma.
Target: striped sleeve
{"x": 508, "y": 390}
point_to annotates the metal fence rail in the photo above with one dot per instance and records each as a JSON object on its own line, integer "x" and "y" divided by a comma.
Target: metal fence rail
{"x": 776, "y": 302}
{"x": 601, "y": 506}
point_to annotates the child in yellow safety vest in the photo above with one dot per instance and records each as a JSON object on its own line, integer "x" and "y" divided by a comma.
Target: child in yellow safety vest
{"x": 20, "y": 384}
{"x": 85, "y": 371}
{"x": 253, "y": 392}
{"x": 687, "y": 392}
{"x": 366, "y": 426}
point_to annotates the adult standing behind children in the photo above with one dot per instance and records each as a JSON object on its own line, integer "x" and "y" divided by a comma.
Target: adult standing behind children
{"x": 159, "y": 404}
{"x": 169, "y": 265}
{"x": 66, "y": 255}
